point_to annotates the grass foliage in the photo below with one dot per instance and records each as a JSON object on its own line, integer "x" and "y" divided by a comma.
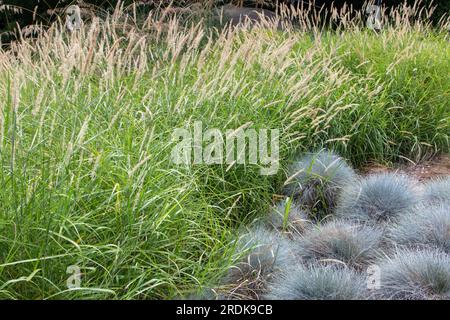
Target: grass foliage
{"x": 86, "y": 123}
{"x": 438, "y": 191}
{"x": 377, "y": 198}
{"x": 426, "y": 225}
{"x": 415, "y": 275}
{"x": 317, "y": 178}
{"x": 266, "y": 253}
{"x": 318, "y": 283}
{"x": 351, "y": 244}
{"x": 288, "y": 216}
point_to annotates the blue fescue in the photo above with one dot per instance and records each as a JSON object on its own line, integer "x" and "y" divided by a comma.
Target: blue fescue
{"x": 425, "y": 225}
{"x": 317, "y": 282}
{"x": 377, "y": 198}
{"x": 438, "y": 191}
{"x": 415, "y": 275}
{"x": 350, "y": 243}
{"x": 263, "y": 253}
{"x": 286, "y": 216}
{"x": 317, "y": 178}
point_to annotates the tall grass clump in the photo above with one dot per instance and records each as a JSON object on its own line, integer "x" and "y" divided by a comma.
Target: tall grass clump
{"x": 437, "y": 191}
{"x": 338, "y": 241}
{"x": 315, "y": 179}
{"x": 425, "y": 225}
{"x": 415, "y": 275}
{"x": 264, "y": 254}
{"x": 87, "y": 121}
{"x": 315, "y": 282}
{"x": 377, "y": 198}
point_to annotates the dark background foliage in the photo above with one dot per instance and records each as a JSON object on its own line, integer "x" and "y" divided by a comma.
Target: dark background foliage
{"x": 37, "y": 11}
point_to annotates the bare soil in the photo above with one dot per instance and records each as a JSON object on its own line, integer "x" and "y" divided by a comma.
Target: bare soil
{"x": 436, "y": 167}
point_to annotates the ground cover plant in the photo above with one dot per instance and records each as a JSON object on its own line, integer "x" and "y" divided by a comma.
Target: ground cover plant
{"x": 352, "y": 244}
{"x": 381, "y": 197}
{"x": 438, "y": 191}
{"x": 413, "y": 275}
{"x": 288, "y": 216}
{"x": 424, "y": 226}
{"x": 339, "y": 258}
{"x": 86, "y": 125}
{"x": 317, "y": 178}
{"x": 266, "y": 253}
{"x": 319, "y": 283}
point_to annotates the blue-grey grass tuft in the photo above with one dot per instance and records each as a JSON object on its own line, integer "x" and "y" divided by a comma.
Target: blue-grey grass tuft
{"x": 377, "y": 198}
{"x": 438, "y": 191}
{"x": 265, "y": 253}
{"x": 289, "y": 217}
{"x": 425, "y": 225}
{"x": 316, "y": 178}
{"x": 352, "y": 244}
{"x": 415, "y": 275}
{"x": 317, "y": 282}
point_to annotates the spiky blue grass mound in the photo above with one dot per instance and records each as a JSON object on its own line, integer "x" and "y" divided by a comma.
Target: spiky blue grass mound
{"x": 438, "y": 191}
{"x": 377, "y": 198}
{"x": 415, "y": 275}
{"x": 265, "y": 253}
{"x": 353, "y": 244}
{"x": 425, "y": 225}
{"x": 289, "y": 217}
{"x": 315, "y": 282}
{"x": 317, "y": 178}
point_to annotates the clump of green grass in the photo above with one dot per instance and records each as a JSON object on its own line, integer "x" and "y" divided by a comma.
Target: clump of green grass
{"x": 86, "y": 124}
